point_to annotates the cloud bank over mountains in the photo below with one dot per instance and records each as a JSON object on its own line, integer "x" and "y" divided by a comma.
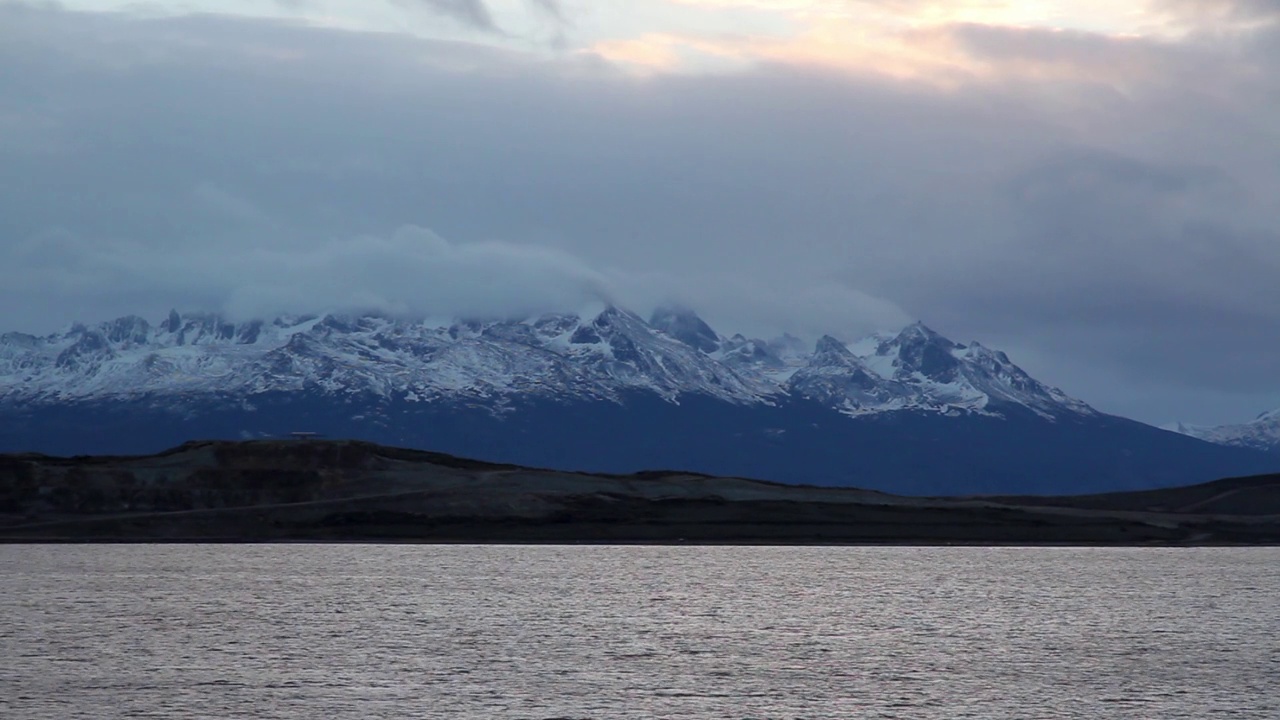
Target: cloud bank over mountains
{"x": 1099, "y": 203}
{"x": 411, "y": 272}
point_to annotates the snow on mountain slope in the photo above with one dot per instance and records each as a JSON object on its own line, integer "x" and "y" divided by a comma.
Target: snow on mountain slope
{"x": 1262, "y": 433}
{"x": 919, "y": 369}
{"x": 560, "y": 356}
{"x": 837, "y": 378}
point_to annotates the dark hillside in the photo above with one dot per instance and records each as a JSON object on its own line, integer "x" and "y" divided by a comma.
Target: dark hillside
{"x": 348, "y": 490}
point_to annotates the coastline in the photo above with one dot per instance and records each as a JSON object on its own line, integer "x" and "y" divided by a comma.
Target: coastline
{"x": 351, "y": 492}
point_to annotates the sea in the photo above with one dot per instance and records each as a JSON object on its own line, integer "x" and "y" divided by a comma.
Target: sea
{"x": 351, "y": 631}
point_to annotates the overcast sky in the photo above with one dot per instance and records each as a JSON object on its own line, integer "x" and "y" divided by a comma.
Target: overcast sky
{"x": 1093, "y": 186}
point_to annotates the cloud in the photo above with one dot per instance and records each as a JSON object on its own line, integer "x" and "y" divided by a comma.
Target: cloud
{"x": 735, "y": 303}
{"x": 1251, "y": 12}
{"x": 411, "y": 272}
{"x": 550, "y": 8}
{"x": 1100, "y": 206}
{"x": 473, "y": 13}
{"x": 477, "y": 15}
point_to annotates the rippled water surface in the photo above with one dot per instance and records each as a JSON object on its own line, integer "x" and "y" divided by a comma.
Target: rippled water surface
{"x": 368, "y": 631}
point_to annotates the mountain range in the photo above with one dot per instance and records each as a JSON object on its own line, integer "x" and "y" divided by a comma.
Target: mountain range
{"x": 604, "y": 391}
{"x": 1262, "y": 433}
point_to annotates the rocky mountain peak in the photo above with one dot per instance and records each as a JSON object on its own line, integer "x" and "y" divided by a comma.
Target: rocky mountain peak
{"x": 829, "y": 351}
{"x": 1261, "y": 433}
{"x": 918, "y": 349}
{"x": 685, "y": 325}
{"x": 172, "y": 323}
{"x": 128, "y": 329}
{"x": 740, "y": 351}
{"x": 836, "y": 377}
{"x": 600, "y": 356}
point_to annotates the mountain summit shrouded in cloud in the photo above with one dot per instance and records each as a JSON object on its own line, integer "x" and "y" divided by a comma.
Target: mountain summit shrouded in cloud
{"x": 1086, "y": 185}
{"x": 412, "y": 272}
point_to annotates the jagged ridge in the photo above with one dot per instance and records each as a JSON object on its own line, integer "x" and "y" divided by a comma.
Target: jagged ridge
{"x": 564, "y": 356}
{"x": 1262, "y": 433}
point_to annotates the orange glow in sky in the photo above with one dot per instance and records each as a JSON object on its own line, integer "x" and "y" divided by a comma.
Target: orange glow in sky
{"x": 897, "y": 38}
{"x": 909, "y": 39}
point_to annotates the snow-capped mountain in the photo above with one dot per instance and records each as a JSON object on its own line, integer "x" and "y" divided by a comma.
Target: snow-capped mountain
{"x": 603, "y": 391}
{"x": 918, "y": 369}
{"x": 564, "y": 356}
{"x": 560, "y": 356}
{"x": 1262, "y": 433}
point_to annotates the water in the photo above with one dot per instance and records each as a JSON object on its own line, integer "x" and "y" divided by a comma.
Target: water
{"x": 366, "y": 631}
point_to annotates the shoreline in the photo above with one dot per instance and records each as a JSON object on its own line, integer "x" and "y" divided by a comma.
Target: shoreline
{"x": 11, "y": 541}
{"x": 351, "y": 492}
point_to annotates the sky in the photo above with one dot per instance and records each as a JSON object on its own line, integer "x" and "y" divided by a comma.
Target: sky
{"x": 1089, "y": 185}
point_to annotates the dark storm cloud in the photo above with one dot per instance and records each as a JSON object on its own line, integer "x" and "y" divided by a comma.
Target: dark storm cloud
{"x": 1103, "y": 208}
